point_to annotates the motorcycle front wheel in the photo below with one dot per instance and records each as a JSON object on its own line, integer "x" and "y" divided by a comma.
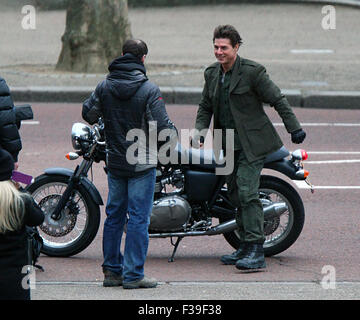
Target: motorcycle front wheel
{"x": 280, "y": 232}
{"x": 78, "y": 223}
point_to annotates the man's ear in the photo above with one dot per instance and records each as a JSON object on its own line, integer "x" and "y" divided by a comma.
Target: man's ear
{"x": 143, "y": 58}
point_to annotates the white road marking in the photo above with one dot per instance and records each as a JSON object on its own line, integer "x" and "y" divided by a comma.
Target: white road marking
{"x": 30, "y": 122}
{"x": 333, "y": 161}
{"x": 314, "y": 83}
{"x": 334, "y": 152}
{"x": 323, "y": 124}
{"x": 304, "y": 185}
{"x": 311, "y": 51}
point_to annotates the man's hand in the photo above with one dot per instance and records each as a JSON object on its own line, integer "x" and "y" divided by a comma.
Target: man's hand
{"x": 298, "y": 136}
{"x": 196, "y": 143}
{"x": 199, "y": 146}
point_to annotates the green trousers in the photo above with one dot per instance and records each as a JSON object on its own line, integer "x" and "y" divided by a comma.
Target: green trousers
{"x": 243, "y": 187}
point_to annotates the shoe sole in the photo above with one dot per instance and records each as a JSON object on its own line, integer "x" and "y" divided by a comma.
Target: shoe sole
{"x": 112, "y": 284}
{"x": 231, "y": 262}
{"x": 252, "y": 268}
{"x": 228, "y": 263}
{"x": 139, "y": 285}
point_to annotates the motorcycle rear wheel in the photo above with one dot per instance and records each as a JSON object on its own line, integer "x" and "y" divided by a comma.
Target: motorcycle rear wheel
{"x": 79, "y": 220}
{"x": 282, "y": 232}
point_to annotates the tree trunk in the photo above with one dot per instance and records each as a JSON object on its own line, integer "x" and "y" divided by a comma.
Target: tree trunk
{"x": 94, "y": 34}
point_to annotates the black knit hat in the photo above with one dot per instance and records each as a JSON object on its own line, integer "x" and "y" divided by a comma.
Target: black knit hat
{"x": 6, "y": 165}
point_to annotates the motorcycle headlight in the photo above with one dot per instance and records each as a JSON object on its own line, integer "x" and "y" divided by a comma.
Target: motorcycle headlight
{"x": 79, "y": 131}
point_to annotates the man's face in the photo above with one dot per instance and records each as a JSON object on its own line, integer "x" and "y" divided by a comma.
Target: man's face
{"x": 224, "y": 52}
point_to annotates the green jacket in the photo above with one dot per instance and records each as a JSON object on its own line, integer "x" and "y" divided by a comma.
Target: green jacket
{"x": 250, "y": 87}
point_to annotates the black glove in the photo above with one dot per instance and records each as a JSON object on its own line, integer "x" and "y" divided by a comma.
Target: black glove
{"x": 298, "y": 136}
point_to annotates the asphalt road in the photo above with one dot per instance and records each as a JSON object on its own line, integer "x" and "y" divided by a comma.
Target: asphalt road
{"x": 330, "y": 236}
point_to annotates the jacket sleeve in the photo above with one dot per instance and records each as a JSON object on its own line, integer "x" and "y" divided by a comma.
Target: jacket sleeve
{"x": 33, "y": 214}
{"x": 204, "y": 114}
{"x": 156, "y": 111}
{"x": 271, "y": 94}
{"x": 9, "y": 133}
{"x": 205, "y": 110}
{"x": 91, "y": 110}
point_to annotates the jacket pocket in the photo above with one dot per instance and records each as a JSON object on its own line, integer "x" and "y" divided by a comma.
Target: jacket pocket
{"x": 241, "y": 90}
{"x": 261, "y": 136}
{"x": 243, "y": 99}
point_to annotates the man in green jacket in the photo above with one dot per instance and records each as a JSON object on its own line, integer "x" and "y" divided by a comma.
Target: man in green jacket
{"x": 234, "y": 92}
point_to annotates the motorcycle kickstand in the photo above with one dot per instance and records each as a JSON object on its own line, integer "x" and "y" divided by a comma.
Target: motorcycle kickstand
{"x": 171, "y": 259}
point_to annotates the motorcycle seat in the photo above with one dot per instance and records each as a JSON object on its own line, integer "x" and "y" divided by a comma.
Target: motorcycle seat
{"x": 205, "y": 158}
{"x": 199, "y": 158}
{"x": 277, "y": 155}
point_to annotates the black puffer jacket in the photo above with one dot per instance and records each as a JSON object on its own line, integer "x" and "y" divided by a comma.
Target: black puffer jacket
{"x": 127, "y": 100}
{"x": 9, "y": 134}
{"x": 13, "y": 254}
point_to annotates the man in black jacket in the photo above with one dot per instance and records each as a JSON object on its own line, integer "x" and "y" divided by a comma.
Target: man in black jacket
{"x": 130, "y": 106}
{"x": 9, "y": 134}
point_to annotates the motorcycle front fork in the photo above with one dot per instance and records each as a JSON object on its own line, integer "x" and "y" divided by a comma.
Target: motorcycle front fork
{"x": 74, "y": 180}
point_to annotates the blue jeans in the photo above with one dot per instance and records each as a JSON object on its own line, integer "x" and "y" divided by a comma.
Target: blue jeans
{"x": 132, "y": 196}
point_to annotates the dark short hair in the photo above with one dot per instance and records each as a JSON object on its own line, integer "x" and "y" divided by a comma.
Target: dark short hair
{"x": 227, "y": 32}
{"x": 136, "y": 47}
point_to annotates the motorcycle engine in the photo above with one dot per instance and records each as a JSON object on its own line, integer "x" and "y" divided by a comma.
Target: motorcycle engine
{"x": 170, "y": 213}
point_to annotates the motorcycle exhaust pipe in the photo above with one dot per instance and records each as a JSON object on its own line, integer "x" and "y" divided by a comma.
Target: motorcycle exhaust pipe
{"x": 270, "y": 212}
{"x": 275, "y": 210}
{"x": 227, "y": 226}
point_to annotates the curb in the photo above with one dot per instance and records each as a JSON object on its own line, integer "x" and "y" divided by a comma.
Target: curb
{"x": 351, "y": 3}
{"x": 355, "y": 3}
{"x": 190, "y": 95}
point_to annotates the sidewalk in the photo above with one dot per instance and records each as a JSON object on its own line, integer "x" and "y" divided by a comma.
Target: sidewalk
{"x": 314, "y": 67}
{"x": 174, "y": 291}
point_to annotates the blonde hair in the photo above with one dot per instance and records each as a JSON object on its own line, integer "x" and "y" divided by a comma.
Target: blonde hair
{"x": 12, "y": 207}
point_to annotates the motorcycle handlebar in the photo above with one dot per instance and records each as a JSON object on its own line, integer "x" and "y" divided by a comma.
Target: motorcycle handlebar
{"x": 99, "y": 131}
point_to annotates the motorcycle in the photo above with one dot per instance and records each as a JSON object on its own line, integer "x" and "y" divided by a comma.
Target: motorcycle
{"x": 189, "y": 199}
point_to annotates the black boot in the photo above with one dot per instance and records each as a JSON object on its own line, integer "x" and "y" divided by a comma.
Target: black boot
{"x": 235, "y": 256}
{"x": 254, "y": 258}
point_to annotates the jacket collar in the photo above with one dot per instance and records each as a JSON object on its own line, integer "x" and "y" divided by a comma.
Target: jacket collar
{"x": 237, "y": 70}
{"x": 236, "y": 74}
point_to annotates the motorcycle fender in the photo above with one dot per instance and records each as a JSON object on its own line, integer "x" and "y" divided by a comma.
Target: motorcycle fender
{"x": 284, "y": 166}
{"x": 85, "y": 182}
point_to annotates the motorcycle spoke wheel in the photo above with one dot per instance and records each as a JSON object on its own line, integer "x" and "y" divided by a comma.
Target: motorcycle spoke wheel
{"x": 78, "y": 222}
{"x": 68, "y": 229}
{"x": 277, "y": 229}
